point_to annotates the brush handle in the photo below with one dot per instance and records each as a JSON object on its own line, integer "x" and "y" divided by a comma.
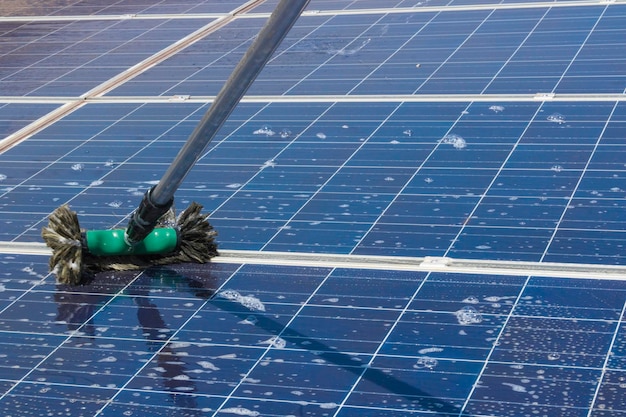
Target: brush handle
{"x": 158, "y": 200}
{"x": 254, "y": 60}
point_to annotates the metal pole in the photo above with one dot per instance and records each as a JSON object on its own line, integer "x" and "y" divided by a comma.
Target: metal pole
{"x": 270, "y": 36}
{"x": 159, "y": 199}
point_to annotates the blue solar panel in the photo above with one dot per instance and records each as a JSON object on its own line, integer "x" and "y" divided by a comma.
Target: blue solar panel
{"x": 393, "y": 342}
{"x": 423, "y": 132}
{"x": 70, "y": 58}
{"x": 471, "y": 52}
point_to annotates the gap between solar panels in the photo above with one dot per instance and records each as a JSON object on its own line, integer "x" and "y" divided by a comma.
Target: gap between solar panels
{"x": 385, "y": 263}
{"x": 331, "y": 98}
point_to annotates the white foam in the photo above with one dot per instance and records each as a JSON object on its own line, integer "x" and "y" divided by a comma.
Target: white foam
{"x": 270, "y": 163}
{"x": 208, "y": 365}
{"x": 468, "y": 315}
{"x": 515, "y": 387}
{"x": 247, "y": 301}
{"x": 557, "y": 118}
{"x": 430, "y": 350}
{"x": 277, "y": 342}
{"x": 265, "y": 130}
{"x": 455, "y": 140}
{"x": 240, "y": 411}
{"x": 425, "y": 363}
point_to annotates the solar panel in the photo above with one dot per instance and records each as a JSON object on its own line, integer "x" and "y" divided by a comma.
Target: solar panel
{"x": 419, "y": 210}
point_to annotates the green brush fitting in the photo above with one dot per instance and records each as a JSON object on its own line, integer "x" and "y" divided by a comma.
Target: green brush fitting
{"x": 160, "y": 241}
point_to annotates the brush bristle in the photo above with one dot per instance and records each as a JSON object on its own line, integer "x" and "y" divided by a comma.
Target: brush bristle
{"x": 63, "y": 236}
{"x": 71, "y": 263}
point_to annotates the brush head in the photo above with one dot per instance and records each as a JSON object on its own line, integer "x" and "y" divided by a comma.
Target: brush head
{"x": 63, "y": 236}
{"x": 73, "y": 263}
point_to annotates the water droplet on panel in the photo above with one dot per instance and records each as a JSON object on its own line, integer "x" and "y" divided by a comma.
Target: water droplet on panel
{"x": 240, "y": 411}
{"x": 468, "y": 315}
{"x": 426, "y": 351}
{"x": 248, "y": 301}
{"x": 265, "y": 130}
{"x": 471, "y": 300}
{"x": 249, "y": 320}
{"x": 208, "y": 365}
{"x": 425, "y": 363}
{"x": 268, "y": 164}
{"x": 557, "y": 118}
{"x": 276, "y": 342}
{"x": 455, "y": 140}
{"x": 515, "y": 387}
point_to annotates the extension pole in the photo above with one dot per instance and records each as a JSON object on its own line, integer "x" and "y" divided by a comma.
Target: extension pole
{"x": 158, "y": 200}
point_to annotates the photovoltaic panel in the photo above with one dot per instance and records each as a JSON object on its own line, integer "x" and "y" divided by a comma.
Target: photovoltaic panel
{"x": 483, "y": 192}
{"x": 43, "y": 58}
{"x": 410, "y": 136}
{"x": 464, "y": 52}
{"x": 63, "y": 9}
{"x": 310, "y": 340}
